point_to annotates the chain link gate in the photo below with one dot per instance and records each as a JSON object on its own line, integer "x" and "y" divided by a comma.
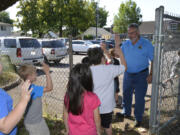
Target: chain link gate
{"x": 165, "y": 102}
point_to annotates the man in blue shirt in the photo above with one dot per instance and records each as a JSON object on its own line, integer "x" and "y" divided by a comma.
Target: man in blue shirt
{"x": 138, "y": 52}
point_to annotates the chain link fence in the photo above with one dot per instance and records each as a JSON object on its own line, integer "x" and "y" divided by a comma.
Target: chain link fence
{"x": 53, "y": 100}
{"x": 164, "y": 119}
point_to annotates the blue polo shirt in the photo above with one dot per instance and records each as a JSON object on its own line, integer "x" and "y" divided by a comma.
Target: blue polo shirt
{"x": 138, "y": 56}
{"x": 6, "y": 105}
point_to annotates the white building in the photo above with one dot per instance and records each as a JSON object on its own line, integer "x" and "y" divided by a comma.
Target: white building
{"x": 101, "y": 32}
{"x": 5, "y": 29}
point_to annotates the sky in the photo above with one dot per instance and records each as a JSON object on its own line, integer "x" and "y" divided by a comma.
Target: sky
{"x": 147, "y": 8}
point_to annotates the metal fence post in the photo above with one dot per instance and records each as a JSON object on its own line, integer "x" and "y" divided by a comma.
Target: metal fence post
{"x": 70, "y": 53}
{"x": 153, "y": 123}
{"x": 178, "y": 100}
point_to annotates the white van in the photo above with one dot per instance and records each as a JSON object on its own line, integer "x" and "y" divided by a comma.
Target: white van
{"x": 53, "y": 50}
{"x": 21, "y": 50}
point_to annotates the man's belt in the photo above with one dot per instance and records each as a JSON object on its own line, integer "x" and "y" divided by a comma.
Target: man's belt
{"x": 144, "y": 70}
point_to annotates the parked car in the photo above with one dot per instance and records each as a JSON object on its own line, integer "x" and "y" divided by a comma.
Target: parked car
{"x": 21, "y": 50}
{"x": 110, "y": 44}
{"x": 96, "y": 41}
{"x": 65, "y": 41}
{"x": 82, "y": 46}
{"x": 53, "y": 50}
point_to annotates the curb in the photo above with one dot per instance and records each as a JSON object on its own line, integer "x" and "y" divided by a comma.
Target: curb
{"x": 12, "y": 84}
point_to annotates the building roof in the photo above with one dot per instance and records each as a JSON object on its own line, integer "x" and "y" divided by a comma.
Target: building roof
{"x": 6, "y": 24}
{"x": 100, "y": 32}
{"x": 147, "y": 27}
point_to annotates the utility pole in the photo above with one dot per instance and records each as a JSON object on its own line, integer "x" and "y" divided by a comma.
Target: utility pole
{"x": 97, "y": 15}
{"x": 96, "y": 18}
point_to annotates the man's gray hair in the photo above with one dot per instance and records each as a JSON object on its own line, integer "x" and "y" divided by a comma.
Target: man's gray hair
{"x": 133, "y": 25}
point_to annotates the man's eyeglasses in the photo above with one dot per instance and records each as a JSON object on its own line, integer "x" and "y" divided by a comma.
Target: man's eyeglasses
{"x": 131, "y": 33}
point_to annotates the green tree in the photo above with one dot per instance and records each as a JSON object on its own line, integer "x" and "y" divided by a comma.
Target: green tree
{"x": 77, "y": 17}
{"x": 31, "y": 19}
{"x": 4, "y": 17}
{"x": 41, "y": 16}
{"x": 128, "y": 13}
{"x": 53, "y": 14}
{"x": 102, "y": 15}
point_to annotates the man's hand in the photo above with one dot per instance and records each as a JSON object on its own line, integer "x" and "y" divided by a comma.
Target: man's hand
{"x": 149, "y": 78}
{"x": 45, "y": 68}
{"x": 117, "y": 40}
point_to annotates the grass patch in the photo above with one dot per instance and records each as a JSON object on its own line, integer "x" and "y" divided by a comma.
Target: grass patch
{"x": 6, "y": 78}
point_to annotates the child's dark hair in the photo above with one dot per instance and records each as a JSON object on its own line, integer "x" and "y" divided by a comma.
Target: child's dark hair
{"x": 95, "y": 55}
{"x": 80, "y": 79}
{"x": 85, "y": 60}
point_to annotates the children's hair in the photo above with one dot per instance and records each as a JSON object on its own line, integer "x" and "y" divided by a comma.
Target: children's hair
{"x": 25, "y": 70}
{"x": 85, "y": 60}
{"x": 95, "y": 55}
{"x": 111, "y": 52}
{"x": 80, "y": 79}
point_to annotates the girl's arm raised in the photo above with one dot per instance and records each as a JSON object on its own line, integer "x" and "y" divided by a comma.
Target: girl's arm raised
{"x": 97, "y": 120}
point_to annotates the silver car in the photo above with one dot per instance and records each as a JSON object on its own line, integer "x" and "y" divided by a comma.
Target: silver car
{"x": 53, "y": 50}
{"x": 82, "y": 46}
{"x": 65, "y": 41}
{"x": 21, "y": 50}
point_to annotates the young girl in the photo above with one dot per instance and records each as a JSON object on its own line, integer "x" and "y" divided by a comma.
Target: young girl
{"x": 81, "y": 113}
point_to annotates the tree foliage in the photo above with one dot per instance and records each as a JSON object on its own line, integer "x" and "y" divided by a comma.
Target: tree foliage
{"x": 102, "y": 15}
{"x": 31, "y": 19}
{"x": 41, "y": 16}
{"x": 4, "y": 17}
{"x": 128, "y": 13}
